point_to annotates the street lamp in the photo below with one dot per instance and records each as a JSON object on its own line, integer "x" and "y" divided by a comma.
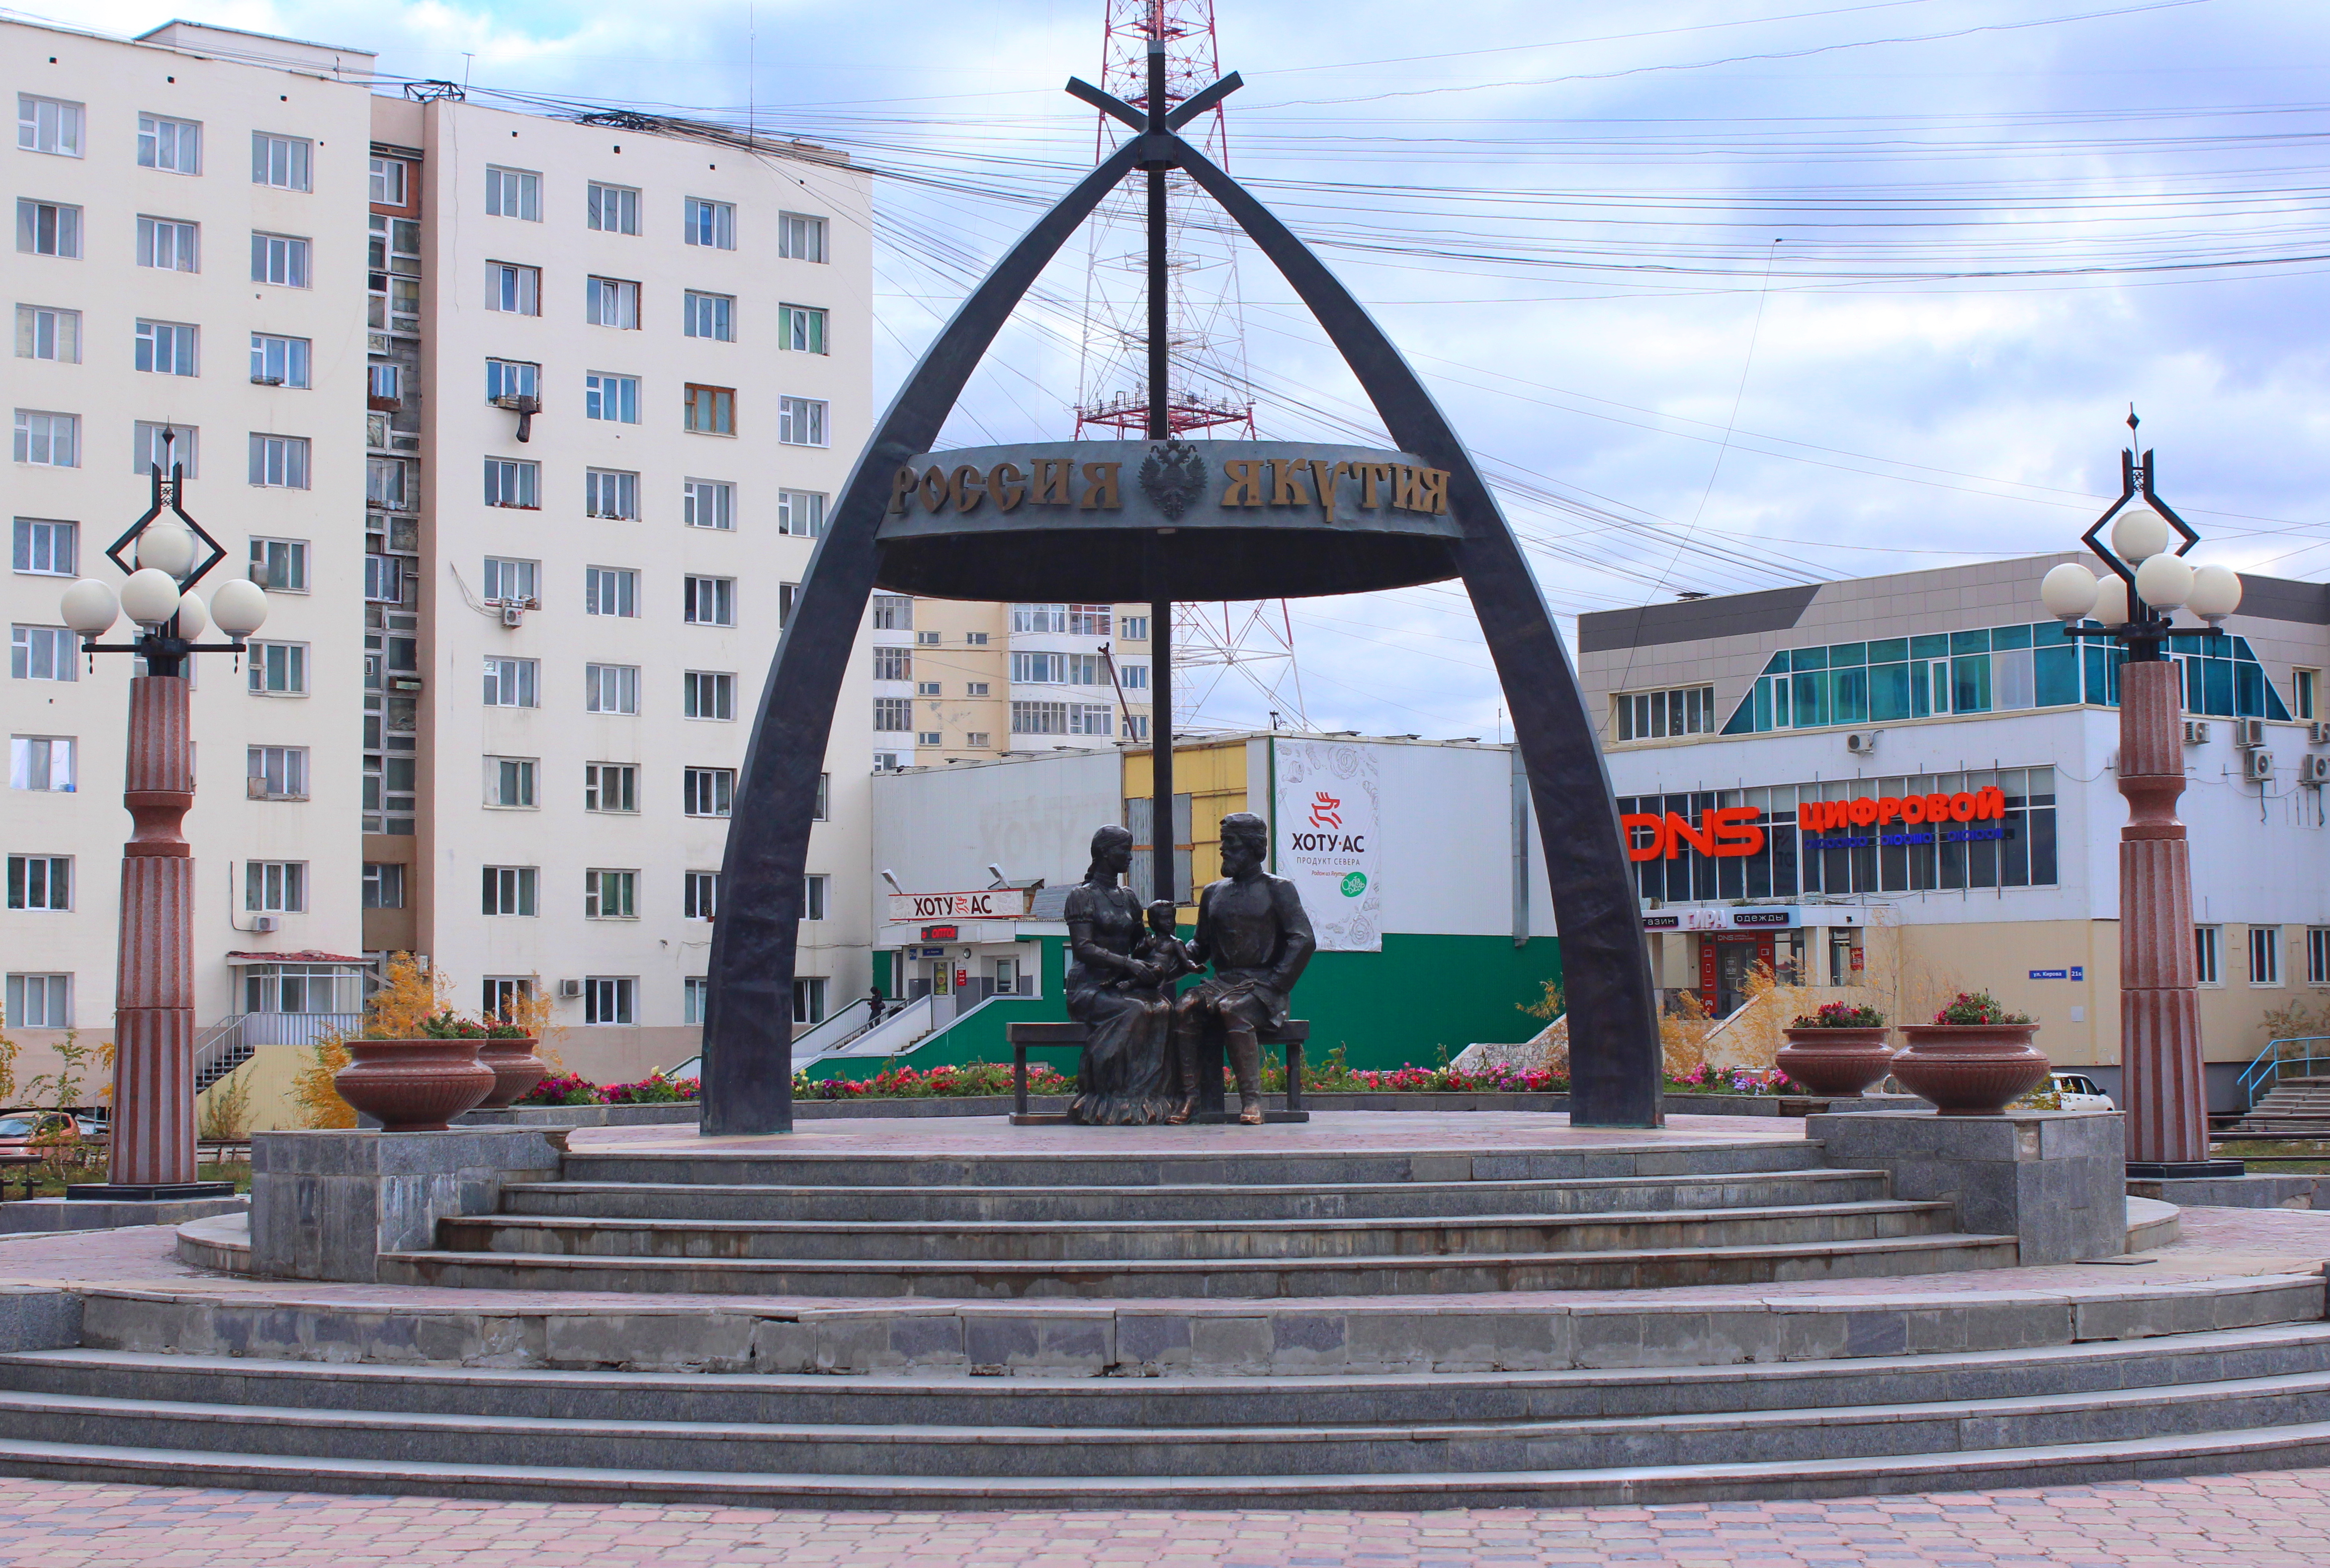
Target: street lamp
{"x": 152, "y": 1152}
{"x": 2159, "y": 1009}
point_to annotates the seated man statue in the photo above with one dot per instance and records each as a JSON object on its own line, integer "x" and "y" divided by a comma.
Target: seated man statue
{"x": 1251, "y": 927}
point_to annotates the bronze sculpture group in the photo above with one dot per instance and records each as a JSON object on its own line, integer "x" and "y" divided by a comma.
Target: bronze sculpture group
{"x": 1144, "y": 1043}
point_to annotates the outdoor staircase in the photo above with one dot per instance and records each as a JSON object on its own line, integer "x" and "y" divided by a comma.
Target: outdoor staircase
{"x": 2294, "y": 1108}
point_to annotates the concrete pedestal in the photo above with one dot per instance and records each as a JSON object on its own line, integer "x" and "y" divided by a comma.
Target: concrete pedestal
{"x": 325, "y": 1205}
{"x": 44, "y": 1214}
{"x": 2054, "y": 1179}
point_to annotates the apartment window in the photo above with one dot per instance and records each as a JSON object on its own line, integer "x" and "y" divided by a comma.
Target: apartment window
{"x": 512, "y": 683}
{"x": 819, "y": 812}
{"x": 893, "y": 713}
{"x": 278, "y": 669}
{"x": 610, "y": 591}
{"x": 1088, "y": 619}
{"x": 511, "y": 889}
{"x": 786, "y": 593}
{"x": 513, "y": 482}
{"x": 277, "y": 773}
{"x": 512, "y": 378}
{"x": 385, "y": 483}
{"x": 172, "y": 145}
{"x": 708, "y": 694}
{"x": 1039, "y": 669}
{"x": 509, "y": 782}
{"x": 389, "y": 183}
{"x": 2304, "y": 684}
{"x": 610, "y": 302}
{"x": 611, "y": 397}
{"x": 40, "y": 1001}
{"x": 694, "y": 990}
{"x": 166, "y": 348}
{"x": 45, "y": 549}
{"x": 1655, "y": 714}
{"x": 2205, "y": 944}
{"x": 283, "y": 361}
{"x": 41, "y": 882}
{"x": 48, "y": 440}
{"x": 801, "y": 421}
{"x": 711, "y": 410}
{"x": 709, "y": 504}
{"x": 712, "y": 224}
{"x": 1039, "y": 719}
{"x": 610, "y": 786}
{"x": 42, "y": 653}
{"x": 894, "y": 664}
{"x": 45, "y": 332}
{"x": 49, "y": 125}
{"x": 2265, "y": 956}
{"x": 974, "y": 689}
{"x": 926, "y": 688}
{"x": 281, "y": 565}
{"x": 1136, "y": 727}
{"x": 975, "y": 639}
{"x": 614, "y": 209}
{"x": 51, "y": 228}
{"x": 802, "y": 513}
{"x": 712, "y": 316}
{"x": 513, "y": 194}
{"x": 893, "y": 613}
{"x": 801, "y": 329}
{"x": 709, "y": 600}
{"x": 1135, "y": 677}
{"x": 41, "y": 762}
{"x": 808, "y": 999}
{"x": 384, "y": 382}
{"x": 927, "y": 640}
{"x": 512, "y": 582}
{"x": 800, "y": 237}
{"x": 608, "y": 998}
{"x": 384, "y": 885}
{"x": 2317, "y": 956}
{"x": 282, "y": 161}
{"x": 1039, "y": 618}
{"x": 280, "y": 259}
{"x": 610, "y": 895}
{"x": 813, "y": 891}
{"x": 700, "y": 898}
{"x": 976, "y": 739}
{"x": 1133, "y": 628}
{"x": 708, "y": 791}
{"x": 153, "y": 445}
{"x": 278, "y": 461}
{"x": 610, "y": 688}
{"x": 928, "y": 737}
{"x": 275, "y": 887}
{"x": 513, "y": 288}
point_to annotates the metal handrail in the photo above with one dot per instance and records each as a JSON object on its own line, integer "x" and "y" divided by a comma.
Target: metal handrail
{"x": 218, "y": 1041}
{"x": 2266, "y": 1067}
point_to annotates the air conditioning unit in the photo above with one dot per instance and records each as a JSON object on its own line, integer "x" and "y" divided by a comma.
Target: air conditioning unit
{"x": 257, "y": 788}
{"x": 2196, "y": 732}
{"x": 2318, "y": 733}
{"x": 2257, "y": 763}
{"x": 1861, "y": 742}
{"x": 265, "y": 925}
{"x": 2314, "y": 769}
{"x": 2248, "y": 733}
{"x": 512, "y": 614}
{"x": 570, "y": 988}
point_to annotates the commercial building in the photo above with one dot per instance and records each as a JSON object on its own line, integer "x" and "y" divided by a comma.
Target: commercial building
{"x": 546, "y": 413}
{"x": 1851, "y": 729}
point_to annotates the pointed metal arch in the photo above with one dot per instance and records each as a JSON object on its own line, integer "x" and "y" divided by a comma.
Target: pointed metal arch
{"x": 747, "y": 1078}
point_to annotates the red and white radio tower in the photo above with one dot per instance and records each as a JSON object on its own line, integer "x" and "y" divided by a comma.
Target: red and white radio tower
{"x": 1208, "y": 390}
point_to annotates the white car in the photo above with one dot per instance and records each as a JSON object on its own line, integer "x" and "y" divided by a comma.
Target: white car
{"x": 2076, "y": 1091}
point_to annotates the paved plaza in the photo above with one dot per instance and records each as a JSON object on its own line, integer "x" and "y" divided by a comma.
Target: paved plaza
{"x": 2267, "y": 1519}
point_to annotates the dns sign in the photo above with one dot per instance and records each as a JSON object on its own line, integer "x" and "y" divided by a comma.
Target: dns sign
{"x": 1726, "y": 832}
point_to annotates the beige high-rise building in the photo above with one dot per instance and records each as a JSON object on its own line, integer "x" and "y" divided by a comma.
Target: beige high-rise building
{"x": 970, "y": 679}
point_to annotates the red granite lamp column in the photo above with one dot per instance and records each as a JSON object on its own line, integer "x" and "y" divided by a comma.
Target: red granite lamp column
{"x": 2159, "y": 1014}
{"x": 153, "y": 1007}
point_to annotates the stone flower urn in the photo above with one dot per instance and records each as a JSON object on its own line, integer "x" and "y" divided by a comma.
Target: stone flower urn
{"x": 1970, "y": 1069}
{"x": 515, "y": 1068}
{"x": 414, "y": 1086}
{"x": 1839, "y": 1062}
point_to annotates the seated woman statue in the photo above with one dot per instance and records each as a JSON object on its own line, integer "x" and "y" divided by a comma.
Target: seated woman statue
{"x": 1114, "y": 989}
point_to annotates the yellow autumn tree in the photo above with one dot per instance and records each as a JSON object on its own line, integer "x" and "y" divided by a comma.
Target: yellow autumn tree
{"x": 408, "y": 996}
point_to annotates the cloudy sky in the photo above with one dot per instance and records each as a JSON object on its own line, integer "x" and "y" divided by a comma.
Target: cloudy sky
{"x": 1725, "y": 293}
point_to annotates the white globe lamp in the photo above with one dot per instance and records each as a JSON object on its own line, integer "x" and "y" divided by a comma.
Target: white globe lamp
{"x": 192, "y": 616}
{"x": 2111, "y": 601}
{"x": 2138, "y": 534}
{"x": 2164, "y": 582}
{"x": 150, "y": 596}
{"x": 168, "y": 546}
{"x": 239, "y": 608}
{"x": 2216, "y": 592}
{"x": 2068, "y": 592}
{"x": 90, "y": 608}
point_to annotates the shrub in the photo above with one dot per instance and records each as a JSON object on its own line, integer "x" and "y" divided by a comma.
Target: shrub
{"x": 1977, "y": 1007}
{"x": 1841, "y": 1015}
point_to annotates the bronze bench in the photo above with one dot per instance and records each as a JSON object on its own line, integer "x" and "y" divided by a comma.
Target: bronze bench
{"x": 1210, "y": 1105}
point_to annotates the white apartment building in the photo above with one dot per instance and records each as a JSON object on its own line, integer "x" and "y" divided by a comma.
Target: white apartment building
{"x": 524, "y": 769}
{"x": 186, "y": 256}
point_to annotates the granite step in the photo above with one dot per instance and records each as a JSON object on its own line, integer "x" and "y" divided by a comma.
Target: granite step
{"x": 1151, "y": 1403}
{"x": 1626, "y": 1269}
{"x": 1208, "y": 1202}
{"x": 1157, "y": 1241}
